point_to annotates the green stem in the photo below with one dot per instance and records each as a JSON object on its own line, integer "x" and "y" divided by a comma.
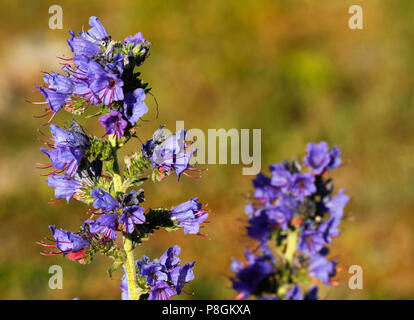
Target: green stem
{"x": 129, "y": 263}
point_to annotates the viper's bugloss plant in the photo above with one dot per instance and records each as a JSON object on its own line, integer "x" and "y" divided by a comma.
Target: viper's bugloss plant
{"x": 102, "y": 74}
{"x": 293, "y": 215}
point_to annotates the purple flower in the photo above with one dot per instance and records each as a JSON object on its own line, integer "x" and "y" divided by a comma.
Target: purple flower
{"x": 263, "y": 190}
{"x": 166, "y": 270}
{"x": 281, "y": 177}
{"x": 321, "y": 268}
{"x": 59, "y": 83}
{"x": 294, "y": 294}
{"x": 311, "y": 241}
{"x": 336, "y": 204}
{"x": 335, "y": 158}
{"x": 162, "y": 291}
{"x": 312, "y": 294}
{"x": 113, "y": 123}
{"x": 106, "y": 86}
{"x": 124, "y": 286}
{"x": 170, "y": 258}
{"x": 81, "y": 46}
{"x": 69, "y": 149}
{"x": 134, "y": 40}
{"x": 97, "y": 34}
{"x": 135, "y": 106}
{"x": 181, "y": 275}
{"x": 153, "y": 273}
{"x": 303, "y": 185}
{"x": 105, "y": 225}
{"x": 54, "y": 99}
{"x": 68, "y": 241}
{"x": 249, "y": 276}
{"x": 64, "y": 187}
{"x": 317, "y": 157}
{"x": 189, "y": 215}
{"x": 131, "y": 216}
{"x": 171, "y": 154}
{"x": 329, "y": 229}
{"x": 104, "y": 200}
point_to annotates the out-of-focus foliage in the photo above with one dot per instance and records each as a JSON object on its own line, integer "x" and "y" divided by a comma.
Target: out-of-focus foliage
{"x": 292, "y": 68}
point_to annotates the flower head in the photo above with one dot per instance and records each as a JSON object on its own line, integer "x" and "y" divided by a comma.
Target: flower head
{"x": 303, "y": 185}
{"x": 135, "y": 106}
{"x": 131, "y": 216}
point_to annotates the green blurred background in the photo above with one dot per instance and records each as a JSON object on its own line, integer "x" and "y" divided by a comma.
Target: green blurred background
{"x": 292, "y": 68}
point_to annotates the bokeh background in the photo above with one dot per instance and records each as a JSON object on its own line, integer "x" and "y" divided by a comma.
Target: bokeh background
{"x": 292, "y": 68}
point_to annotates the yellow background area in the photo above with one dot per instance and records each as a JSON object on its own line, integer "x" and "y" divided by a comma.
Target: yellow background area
{"x": 291, "y": 68}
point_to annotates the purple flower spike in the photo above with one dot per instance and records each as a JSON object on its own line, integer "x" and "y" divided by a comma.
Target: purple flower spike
{"x": 317, "y": 157}
{"x": 114, "y": 123}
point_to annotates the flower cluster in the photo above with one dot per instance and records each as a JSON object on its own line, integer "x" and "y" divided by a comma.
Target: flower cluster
{"x": 102, "y": 74}
{"x": 164, "y": 277}
{"x": 294, "y": 215}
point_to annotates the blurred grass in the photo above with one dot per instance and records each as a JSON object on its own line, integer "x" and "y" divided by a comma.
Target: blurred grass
{"x": 291, "y": 68}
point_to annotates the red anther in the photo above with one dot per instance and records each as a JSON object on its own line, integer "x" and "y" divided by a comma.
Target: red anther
{"x": 66, "y": 59}
{"x": 190, "y": 176}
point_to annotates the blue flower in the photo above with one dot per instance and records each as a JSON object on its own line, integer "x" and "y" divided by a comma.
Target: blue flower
{"x": 303, "y": 185}
{"x": 335, "y": 158}
{"x": 189, "y": 215}
{"x": 104, "y": 200}
{"x": 54, "y": 99}
{"x": 135, "y": 40}
{"x": 263, "y": 189}
{"x": 68, "y": 241}
{"x": 165, "y": 276}
{"x": 135, "y": 106}
{"x": 336, "y": 204}
{"x": 131, "y": 216}
{"x": 171, "y": 155}
{"x": 124, "y": 286}
{"x": 81, "y": 46}
{"x": 317, "y": 157}
{"x": 64, "y": 187}
{"x": 68, "y": 151}
{"x": 322, "y": 268}
{"x": 105, "y": 225}
{"x": 113, "y": 123}
{"x": 281, "y": 177}
{"x": 249, "y": 276}
{"x": 294, "y": 294}
{"x": 162, "y": 291}
{"x": 97, "y": 34}
{"x": 311, "y": 240}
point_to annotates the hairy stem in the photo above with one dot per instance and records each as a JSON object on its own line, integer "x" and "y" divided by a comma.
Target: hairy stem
{"x": 129, "y": 263}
